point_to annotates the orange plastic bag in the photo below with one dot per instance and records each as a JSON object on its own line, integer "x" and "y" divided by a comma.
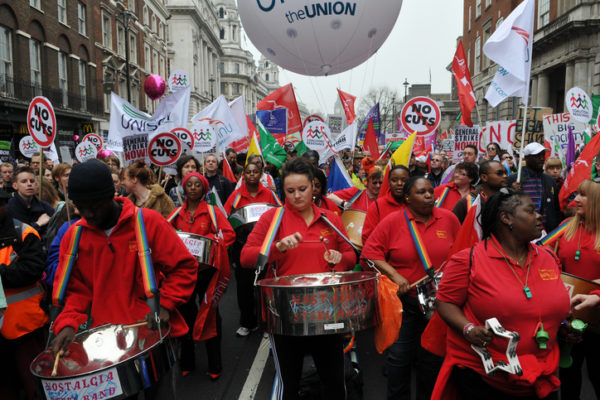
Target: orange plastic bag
{"x": 390, "y": 314}
{"x": 433, "y": 338}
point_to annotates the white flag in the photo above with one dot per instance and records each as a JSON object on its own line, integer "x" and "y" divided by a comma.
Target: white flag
{"x": 222, "y": 120}
{"x": 511, "y": 48}
{"x": 346, "y": 139}
{"x": 239, "y": 113}
{"x": 126, "y": 120}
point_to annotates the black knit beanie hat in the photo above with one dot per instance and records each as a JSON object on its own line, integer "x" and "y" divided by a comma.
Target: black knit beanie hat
{"x": 91, "y": 181}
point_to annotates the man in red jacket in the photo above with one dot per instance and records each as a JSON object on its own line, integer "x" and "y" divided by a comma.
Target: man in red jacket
{"x": 107, "y": 277}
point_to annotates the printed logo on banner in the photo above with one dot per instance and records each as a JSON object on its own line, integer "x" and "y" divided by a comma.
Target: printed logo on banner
{"x": 313, "y": 135}
{"x": 164, "y": 149}
{"x": 94, "y": 139}
{"x": 579, "y": 105}
{"x": 85, "y": 151}
{"x": 185, "y": 137}
{"x": 101, "y": 385}
{"x": 205, "y": 137}
{"x": 135, "y": 147}
{"x": 28, "y": 147}
{"x": 41, "y": 121}
{"x": 178, "y": 80}
{"x": 421, "y": 115}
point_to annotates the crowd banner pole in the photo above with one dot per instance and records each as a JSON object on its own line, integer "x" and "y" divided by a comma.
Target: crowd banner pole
{"x": 522, "y": 141}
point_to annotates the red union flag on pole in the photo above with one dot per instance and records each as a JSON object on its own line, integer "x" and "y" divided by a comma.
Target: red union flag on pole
{"x": 466, "y": 96}
{"x": 510, "y": 46}
{"x": 580, "y": 171}
{"x": 348, "y": 103}
{"x": 284, "y": 97}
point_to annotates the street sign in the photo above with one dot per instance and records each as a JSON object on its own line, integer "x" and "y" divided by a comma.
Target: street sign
{"x": 579, "y": 105}
{"x": 421, "y": 115}
{"x": 85, "y": 151}
{"x": 94, "y": 139}
{"x": 41, "y": 121}
{"x": 164, "y": 149}
{"x": 185, "y": 137}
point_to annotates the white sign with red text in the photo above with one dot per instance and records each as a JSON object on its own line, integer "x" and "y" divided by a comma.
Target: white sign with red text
{"x": 94, "y": 139}
{"x": 164, "y": 149}
{"x": 421, "y": 115}
{"x": 501, "y": 132}
{"x": 101, "y": 385}
{"x": 41, "y": 121}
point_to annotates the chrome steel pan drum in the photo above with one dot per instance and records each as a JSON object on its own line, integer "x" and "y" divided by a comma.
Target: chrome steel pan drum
{"x": 576, "y": 285}
{"x": 319, "y": 304}
{"x": 248, "y": 216}
{"x": 201, "y": 247}
{"x": 353, "y": 221}
{"x": 106, "y": 362}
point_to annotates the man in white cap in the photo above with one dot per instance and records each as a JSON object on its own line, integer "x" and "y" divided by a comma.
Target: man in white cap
{"x": 539, "y": 186}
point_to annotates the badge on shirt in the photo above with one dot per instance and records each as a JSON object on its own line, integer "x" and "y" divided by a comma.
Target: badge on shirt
{"x": 548, "y": 274}
{"x": 441, "y": 234}
{"x": 326, "y": 232}
{"x": 132, "y": 245}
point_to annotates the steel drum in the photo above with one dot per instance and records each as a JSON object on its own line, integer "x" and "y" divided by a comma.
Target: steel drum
{"x": 576, "y": 285}
{"x": 107, "y": 362}
{"x": 353, "y": 221}
{"x": 319, "y": 304}
{"x": 201, "y": 247}
{"x": 248, "y": 216}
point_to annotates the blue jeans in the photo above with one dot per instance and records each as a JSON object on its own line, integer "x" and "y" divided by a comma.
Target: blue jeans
{"x": 407, "y": 353}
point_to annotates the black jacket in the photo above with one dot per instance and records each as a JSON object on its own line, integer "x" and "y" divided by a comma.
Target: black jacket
{"x": 27, "y": 266}
{"x": 17, "y": 208}
{"x": 550, "y": 206}
{"x": 222, "y": 185}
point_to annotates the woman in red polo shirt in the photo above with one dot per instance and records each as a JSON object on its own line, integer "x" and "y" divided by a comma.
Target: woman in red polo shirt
{"x": 297, "y": 250}
{"x": 389, "y": 203}
{"x": 250, "y": 192}
{"x": 319, "y": 198}
{"x": 195, "y": 217}
{"x": 579, "y": 254}
{"x": 505, "y": 277}
{"x": 465, "y": 175}
{"x": 391, "y": 247}
{"x": 360, "y": 199}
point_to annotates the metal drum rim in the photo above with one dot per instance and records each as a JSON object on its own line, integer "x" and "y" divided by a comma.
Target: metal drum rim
{"x": 181, "y": 233}
{"x": 115, "y": 365}
{"x": 374, "y": 275}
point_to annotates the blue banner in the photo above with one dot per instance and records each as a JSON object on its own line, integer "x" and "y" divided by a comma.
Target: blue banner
{"x": 374, "y": 115}
{"x": 274, "y": 120}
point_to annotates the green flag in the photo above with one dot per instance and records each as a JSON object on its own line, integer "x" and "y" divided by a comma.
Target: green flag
{"x": 271, "y": 150}
{"x": 301, "y": 148}
{"x": 595, "y": 105}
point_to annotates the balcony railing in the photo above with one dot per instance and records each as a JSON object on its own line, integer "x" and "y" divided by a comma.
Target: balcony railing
{"x": 23, "y": 90}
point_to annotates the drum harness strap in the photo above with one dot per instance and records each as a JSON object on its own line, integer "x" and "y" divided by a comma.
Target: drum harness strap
{"x": 144, "y": 253}
{"x": 420, "y": 246}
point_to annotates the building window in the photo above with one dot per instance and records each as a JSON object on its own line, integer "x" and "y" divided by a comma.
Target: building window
{"x": 543, "y": 12}
{"x": 477, "y": 8}
{"x": 35, "y": 64}
{"x": 152, "y": 23}
{"x": 267, "y": 77}
{"x": 236, "y": 68}
{"x": 62, "y": 11}
{"x": 469, "y": 59}
{"x": 145, "y": 17}
{"x": 131, "y": 5}
{"x": 160, "y": 30}
{"x": 222, "y": 34}
{"x": 477, "y": 67}
{"x": 469, "y": 20}
{"x": 81, "y": 18}
{"x": 82, "y": 85}
{"x": 161, "y": 66}
{"x": 222, "y": 68}
{"x": 5, "y": 60}
{"x": 35, "y": 3}
{"x": 236, "y": 88}
{"x": 154, "y": 62}
{"x": 132, "y": 49}
{"x": 146, "y": 56}
{"x": 121, "y": 40}
{"x": 106, "y": 31}
{"x": 63, "y": 81}
{"x": 221, "y": 12}
{"x": 233, "y": 33}
{"x": 488, "y": 3}
{"x": 486, "y": 35}
{"x": 223, "y": 87}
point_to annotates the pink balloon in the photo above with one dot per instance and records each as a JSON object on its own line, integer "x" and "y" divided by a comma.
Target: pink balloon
{"x": 76, "y": 138}
{"x": 102, "y": 154}
{"x": 155, "y": 86}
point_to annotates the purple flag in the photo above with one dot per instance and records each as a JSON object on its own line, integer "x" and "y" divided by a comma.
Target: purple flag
{"x": 374, "y": 115}
{"x": 570, "y": 158}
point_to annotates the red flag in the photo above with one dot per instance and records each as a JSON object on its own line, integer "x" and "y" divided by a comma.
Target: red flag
{"x": 466, "y": 95}
{"x": 284, "y": 97}
{"x": 370, "y": 143}
{"x": 580, "y": 171}
{"x": 227, "y": 171}
{"x": 348, "y": 103}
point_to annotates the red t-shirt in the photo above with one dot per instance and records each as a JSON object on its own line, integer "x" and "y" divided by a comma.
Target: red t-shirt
{"x": 451, "y": 198}
{"x": 363, "y": 201}
{"x": 201, "y": 224}
{"x": 263, "y": 195}
{"x": 383, "y": 207}
{"x": 307, "y": 258}
{"x": 588, "y": 266}
{"x": 327, "y": 204}
{"x": 489, "y": 288}
{"x": 391, "y": 241}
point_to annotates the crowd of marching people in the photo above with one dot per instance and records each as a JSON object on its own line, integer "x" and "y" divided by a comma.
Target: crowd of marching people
{"x": 415, "y": 215}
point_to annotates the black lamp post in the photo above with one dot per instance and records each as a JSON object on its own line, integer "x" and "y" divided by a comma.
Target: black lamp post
{"x": 405, "y": 88}
{"x": 127, "y": 16}
{"x": 212, "y": 83}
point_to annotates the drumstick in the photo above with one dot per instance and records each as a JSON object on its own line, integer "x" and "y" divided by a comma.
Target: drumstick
{"x": 136, "y": 325}
{"x": 55, "y": 368}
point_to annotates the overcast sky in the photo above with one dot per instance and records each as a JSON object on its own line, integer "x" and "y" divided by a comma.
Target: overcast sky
{"x": 424, "y": 37}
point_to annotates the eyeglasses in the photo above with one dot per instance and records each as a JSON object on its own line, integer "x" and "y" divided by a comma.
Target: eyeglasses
{"x": 501, "y": 172}
{"x": 507, "y": 158}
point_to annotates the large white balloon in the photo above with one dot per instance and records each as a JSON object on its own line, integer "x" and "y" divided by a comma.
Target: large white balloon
{"x": 318, "y": 37}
